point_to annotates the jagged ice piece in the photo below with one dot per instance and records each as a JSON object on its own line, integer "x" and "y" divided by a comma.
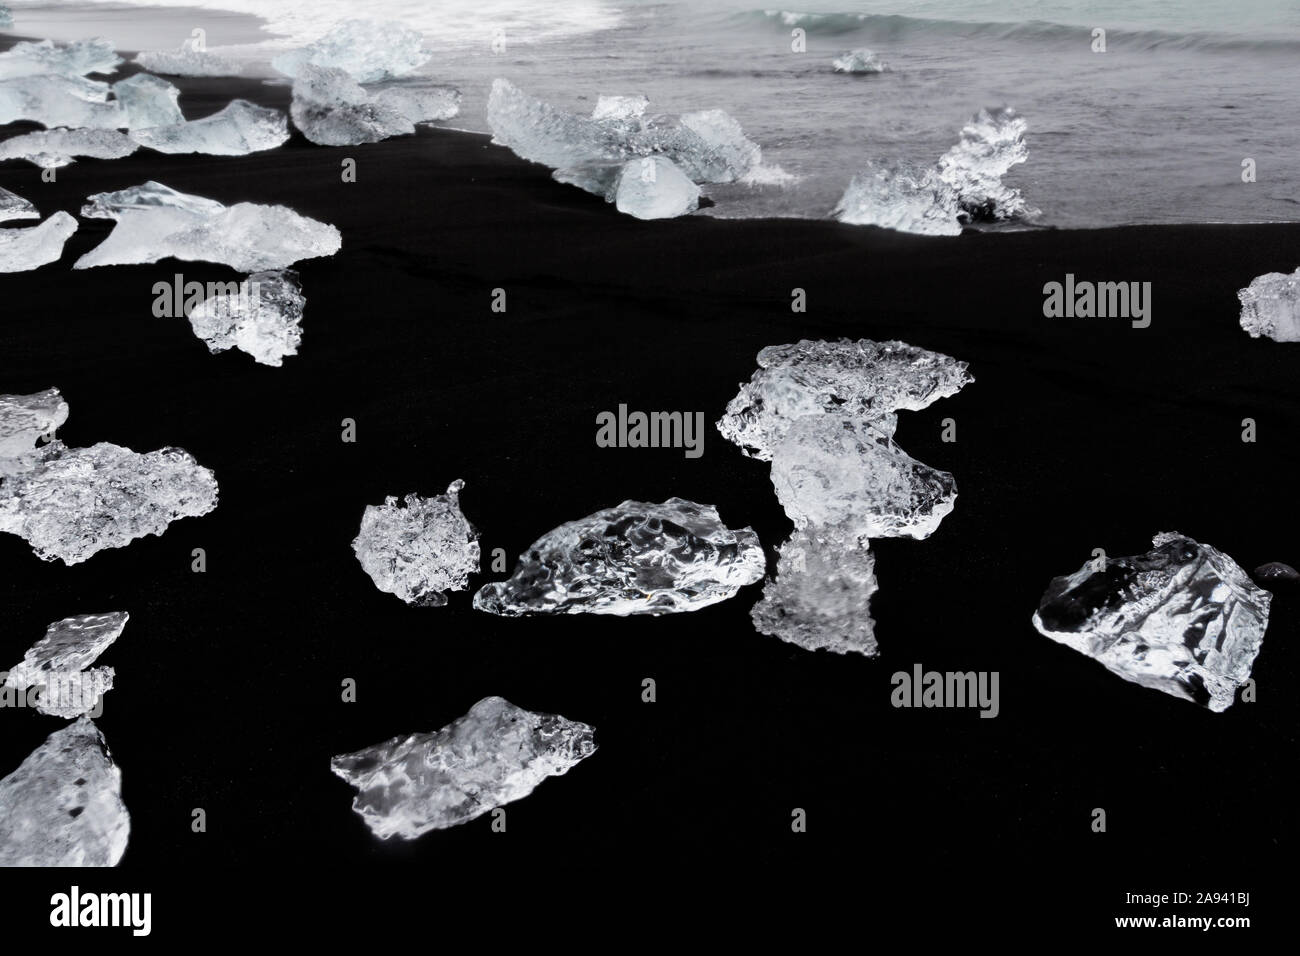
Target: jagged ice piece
{"x": 237, "y": 130}
{"x": 58, "y": 147}
{"x": 1270, "y": 306}
{"x": 654, "y": 188}
{"x": 187, "y": 61}
{"x": 55, "y": 664}
{"x": 263, "y": 318}
{"x": 33, "y": 58}
{"x": 369, "y": 50}
{"x": 858, "y": 61}
{"x": 25, "y": 421}
{"x": 22, "y": 250}
{"x": 146, "y": 101}
{"x": 13, "y": 206}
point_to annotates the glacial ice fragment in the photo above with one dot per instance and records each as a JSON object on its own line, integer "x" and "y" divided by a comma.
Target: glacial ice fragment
{"x": 902, "y": 197}
{"x": 332, "y": 110}
{"x": 654, "y": 188}
{"x": 1270, "y": 306}
{"x": 420, "y": 548}
{"x": 991, "y": 143}
{"x": 52, "y": 101}
{"x": 496, "y": 754}
{"x": 155, "y": 221}
{"x": 13, "y": 206}
{"x": 22, "y": 250}
{"x": 188, "y": 61}
{"x": 820, "y": 598}
{"x": 146, "y": 101}
{"x": 58, "y": 147}
{"x": 1275, "y": 572}
{"x": 636, "y": 558}
{"x": 858, "y": 61}
{"x": 32, "y": 58}
{"x": 74, "y": 502}
{"x": 1182, "y": 618}
{"x": 6, "y": 16}
{"x": 26, "y": 421}
{"x": 63, "y": 805}
{"x": 262, "y": 318}
{"x": 55, "y": 667}
{"x": 237, "y": 130}
{"x": 865, "y": 380}
{"x": 620, "y": 107}
{"x": 369, "y": 50}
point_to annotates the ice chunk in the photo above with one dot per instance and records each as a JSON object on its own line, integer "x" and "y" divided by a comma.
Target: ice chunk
{"x": 28, "y": 58}
{"x": 820, "y": 598}
{"x": 332, "y": 110}
{"x": 1276, "y": 571}
{"x": 147, "y": 101}
{"x": 63, "y": 805}
{"x": 1182, "y": 618}
{"x": 22, "y": 250}
{"x": 25, "y": 422}
{"x": 991, "y": 143}
{"x": 1270, "y": 306}
{"x": 74, "y": 102}
{"x": 620, "y": 107}
{"x": 903, "y": 197}
{"x": 496, "y": 754}
{"x": 864, "y": 380}
{"x": 154, "y": 221}
{"x": 829, "y": 470}
{"x": 262, "y": 317}
{"x": 420, "y": 548}
{"x": 654, "y": 188}
{"x": 188, "y": 61}
{"x": 239, "y": 129}
{"x": 369, "y": 50}
{"x": 858, "y": 61}
{"x": 6, "y": 16}
{"x": 57, "y": 147}
{"x": 74, "y": 502}
{"x": 637, "y": 558}
{"x": 54, "y": 669}
{"x": 13, "y": 206}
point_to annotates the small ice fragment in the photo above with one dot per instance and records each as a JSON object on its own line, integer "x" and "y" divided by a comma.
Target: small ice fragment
{"x": 74, "y": 502}
{"x": 51, "y": 101}
{"x": 1276, "y": 571}
{"x": 620, "y": 107}
{"x": 1270, "y": 306}
{"x": 188, "y": 61}
{"x": 369, "y": 50}
{"x": 636, "y": 558}
{"x": 1182, "y": 618}
{"x": 496, "y": 754}
{"x": 29, "y": 58}
{"x": 147, "y": 101}
{"x": 261, "y": 316}
{"x": 991, "y": 143}
{"x": 420, "y": 548}
{"x": 25, "y": 422}
{"x": 903, "y": 197}
{"x": 332, "y": 110}
{"x": 22, "y": 250}
{"x": 55, "y": 667}
{"x": 155, "y": 221}
{"x": 6, "y": 16}
{"x": 858, "y": 61}
{"x": 420, "y": 103}
{"x": 654, "y": 188}
{"x": 58, "y": 147}
{"x": 63, "y": 805}
{"x": 239, "y": 129}
{"x": 13, "y": 206}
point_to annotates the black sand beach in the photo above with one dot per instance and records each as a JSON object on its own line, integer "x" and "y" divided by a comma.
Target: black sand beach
{"x": 1077, "y": 434}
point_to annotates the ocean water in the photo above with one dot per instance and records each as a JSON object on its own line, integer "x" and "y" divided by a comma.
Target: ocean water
{"x": 1154, "y": 130}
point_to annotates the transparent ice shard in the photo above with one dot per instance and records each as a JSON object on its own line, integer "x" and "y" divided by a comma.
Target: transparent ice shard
{"x": 331, "y": 109}
{"x": 63, "y": 805}
{"x": 59, "y": 147}
{"x": 1270, "y": 306}
{"x": 420, "y": 548}
{"x": 263, "y": 318}
{"x": 22, "y": 250}
{"x": 636, "y": 558}
{"x": 33, "y": 58}
{"x": 865, "y": 380}
{"x": 369, "y": 50}
{"x": 820, "y": 598}
{"x": 858, "y": 61}
{"x": 25, "y": 422}
{"x": 654, "y": 188}
{"x": 991, "y": 143}
{"x": 146, "y": 101}
{"x": 13, "y": 206}
{"x": 237, "y": 130}
{"x": 829, "y": 470}
{"x": 1183, "y": 618}
{"x": 52, "y": 101}
{"x": 74, "y": 502}
{"x": 56, "y": 665}
{"x": 620, "y": 107}
{"x": 903, "y": 197}
{"x": 155, "y": 221}
{"x": 6, "y": 16}
{"x": 496, "y": 754}
{"x": 187, "y": 61}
